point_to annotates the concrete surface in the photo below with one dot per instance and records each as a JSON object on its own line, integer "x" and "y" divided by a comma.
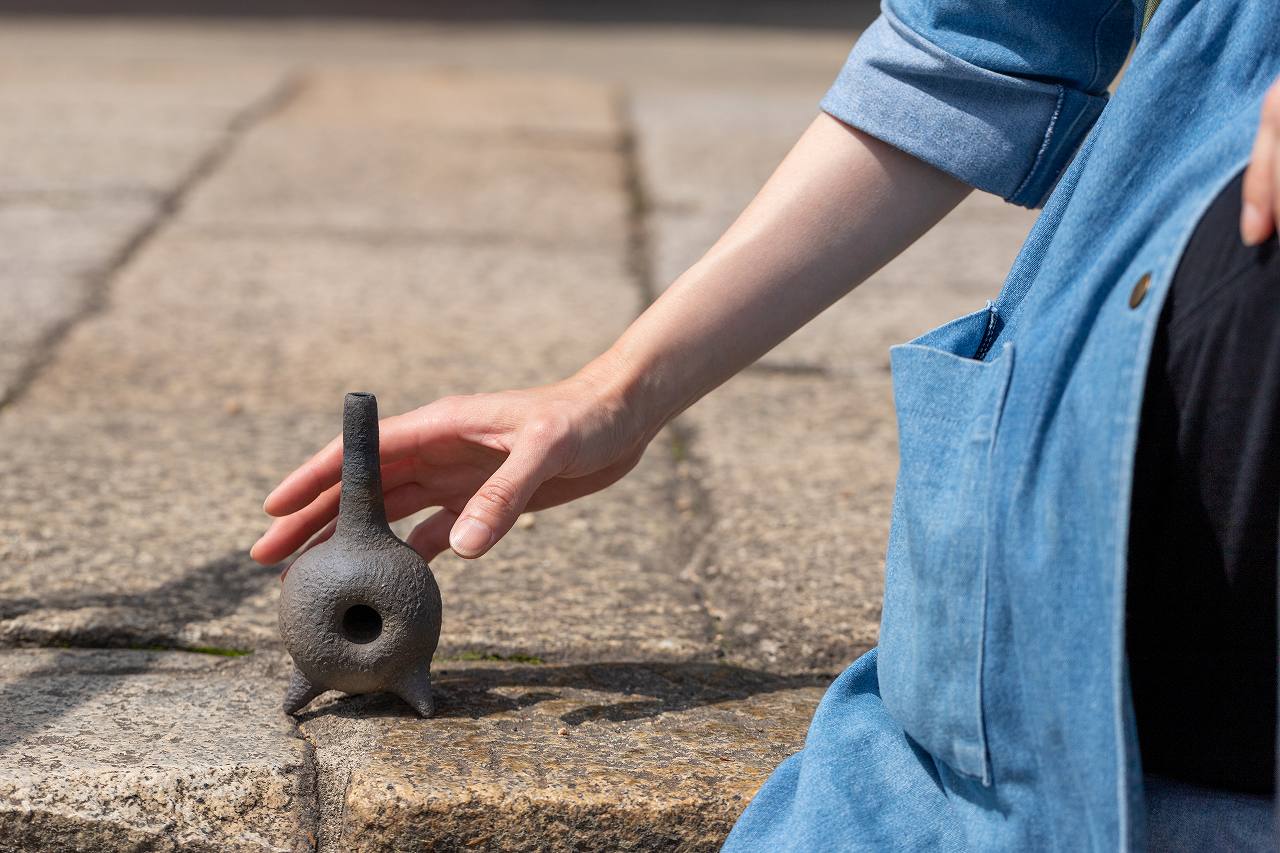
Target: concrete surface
{"x": 209, "y": 232}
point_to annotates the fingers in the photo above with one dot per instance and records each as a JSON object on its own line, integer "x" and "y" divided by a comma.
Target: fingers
{"x": 431, "y": 537}
{"x": 322, "y": 536}
{"x": 285, "y": 534}
{"x": 1261, "y": 204}
{"x": 495, "y": 507}
{"x": 398, "y": 437}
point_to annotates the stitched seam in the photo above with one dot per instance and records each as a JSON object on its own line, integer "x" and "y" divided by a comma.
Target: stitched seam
{"x": 1097, "y": 33}
{"x": 1044, "y": 145}
{"x": 989, "y": 336}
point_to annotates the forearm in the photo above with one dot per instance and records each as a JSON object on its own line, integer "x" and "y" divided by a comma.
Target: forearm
{"x": 840, "y": 206}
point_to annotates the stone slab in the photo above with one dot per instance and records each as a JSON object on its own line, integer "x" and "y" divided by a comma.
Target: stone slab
{"x": 386, "y": 172}
{"x": 388, "y": 184}
{"x": 62, "y": 90}
{"x": 126, "y": 128}
{"x": 532, "y": 106}
{"x": 287, "y": 325}
{"x": 138, "y": 750}
{"x": 601, "y": 756}
{"x": 52, "y": 254}
{"x": 796, "y": 476}
{"x": 89, "y": 151}
{"x": 45, "y": 161}
{"x": 221, "y": 364}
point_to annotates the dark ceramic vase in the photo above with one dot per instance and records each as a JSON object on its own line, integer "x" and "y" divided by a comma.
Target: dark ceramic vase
{"x": 360, "y": 612}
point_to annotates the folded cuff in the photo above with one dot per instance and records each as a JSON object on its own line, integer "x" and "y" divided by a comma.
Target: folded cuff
{"x": 1011, "y": 136}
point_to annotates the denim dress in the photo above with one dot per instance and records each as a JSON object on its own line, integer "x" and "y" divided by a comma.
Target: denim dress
{"x": 995, "y": 713}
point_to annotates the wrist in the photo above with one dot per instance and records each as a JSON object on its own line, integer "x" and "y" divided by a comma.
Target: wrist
{"x": 629, "y": 392}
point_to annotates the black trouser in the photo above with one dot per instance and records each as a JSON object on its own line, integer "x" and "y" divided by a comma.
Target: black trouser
{"x": 1205, "y": 516}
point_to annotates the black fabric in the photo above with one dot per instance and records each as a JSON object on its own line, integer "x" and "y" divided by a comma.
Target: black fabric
{"x": 1205, "y": 516}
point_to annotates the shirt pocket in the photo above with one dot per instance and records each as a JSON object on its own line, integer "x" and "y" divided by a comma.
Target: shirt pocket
{"x": 931, "y": 636}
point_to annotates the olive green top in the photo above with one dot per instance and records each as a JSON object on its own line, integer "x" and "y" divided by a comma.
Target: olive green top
{"x": 1148, "y": 12}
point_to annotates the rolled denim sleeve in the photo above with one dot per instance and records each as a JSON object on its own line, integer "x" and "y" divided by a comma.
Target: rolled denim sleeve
{"x": 999, "y": 95}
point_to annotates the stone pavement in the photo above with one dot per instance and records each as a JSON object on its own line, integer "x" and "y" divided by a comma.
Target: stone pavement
{"x": 209, "y": 233}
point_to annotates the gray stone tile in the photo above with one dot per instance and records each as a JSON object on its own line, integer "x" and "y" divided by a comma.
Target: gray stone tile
{"x": 388, "y": 171}
{"x": 147, "y": 750}
{"x": 52, "y": 253}
{"x": 797, "y": 473}
{"x": 599, "y": 756}
{"x": 535, "y": 107}
{"x": 221, "y": 364}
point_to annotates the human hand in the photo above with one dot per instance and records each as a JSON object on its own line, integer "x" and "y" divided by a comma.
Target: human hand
{"x": 1261, "y": 209}
{"x": 482, "y": 459}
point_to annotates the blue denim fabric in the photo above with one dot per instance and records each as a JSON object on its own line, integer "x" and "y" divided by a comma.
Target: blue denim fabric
{"x": 950, "y": 82}
{"x": 996, "y": 714}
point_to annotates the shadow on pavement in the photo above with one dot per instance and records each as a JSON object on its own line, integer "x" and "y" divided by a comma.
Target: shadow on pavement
{"x": 201, "y": 593}
{"x": 208, "y": 591}
{"x": 658, "y": 688}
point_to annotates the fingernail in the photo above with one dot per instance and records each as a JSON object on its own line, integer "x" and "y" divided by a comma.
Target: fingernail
{"x": 1252, "y": 224}
{"x": 470, "y": 537}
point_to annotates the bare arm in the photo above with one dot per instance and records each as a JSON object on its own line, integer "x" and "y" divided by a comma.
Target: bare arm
{"x": 840, "y": 206}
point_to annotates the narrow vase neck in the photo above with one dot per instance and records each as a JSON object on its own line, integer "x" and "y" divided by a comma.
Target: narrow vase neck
{"x": 360, "y": 506}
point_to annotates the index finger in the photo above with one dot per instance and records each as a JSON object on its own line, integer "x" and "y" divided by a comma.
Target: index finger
{"x": 398, "y": 436}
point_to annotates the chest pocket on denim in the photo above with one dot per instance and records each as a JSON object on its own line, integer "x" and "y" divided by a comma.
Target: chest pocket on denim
{"x": 931, "y": 635}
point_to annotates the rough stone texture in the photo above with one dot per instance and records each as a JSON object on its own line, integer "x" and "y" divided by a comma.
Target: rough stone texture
{"x": 237, "y": 412}
{"x": 233, "y": 412}
{"x": 57, "y": 89}
{"x": 143, "y": 162}
{"x": 601, "y": 756}
{"x": 90, "y": 154}
{"x": 449, "y": 173}
{"x": 51, "y": 253}
{"x": 480, "y": 104}
{"x": 135, "y": 128}
{"x": 147, "y": 750}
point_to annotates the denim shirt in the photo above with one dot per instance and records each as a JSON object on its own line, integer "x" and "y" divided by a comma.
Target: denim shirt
{"x": 995, "y": 714}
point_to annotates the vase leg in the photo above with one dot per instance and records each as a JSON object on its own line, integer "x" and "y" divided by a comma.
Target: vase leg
{"x": 300, "y": 692}
{"x": 416, "y": 690}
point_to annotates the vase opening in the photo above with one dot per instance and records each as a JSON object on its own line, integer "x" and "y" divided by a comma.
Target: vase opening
{"x": 361, "y": 624}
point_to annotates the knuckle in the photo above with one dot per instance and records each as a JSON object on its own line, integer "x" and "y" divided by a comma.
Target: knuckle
{"x": 447, "y": 407}
{"x": 499, "y": 493}
{"x": 548, "y": 431}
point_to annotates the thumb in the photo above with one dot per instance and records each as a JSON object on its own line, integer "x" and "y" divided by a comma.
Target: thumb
{"x": 495, "y": 507}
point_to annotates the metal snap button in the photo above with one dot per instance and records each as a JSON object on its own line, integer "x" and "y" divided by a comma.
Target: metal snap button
{"x": 1139, "y": 291}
